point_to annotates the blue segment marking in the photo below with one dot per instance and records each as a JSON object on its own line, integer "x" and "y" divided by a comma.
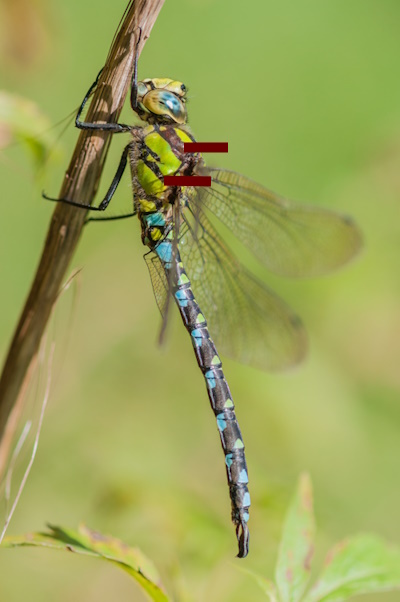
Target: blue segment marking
{"x": 229, "y": 460}
{"x": 243, "y": 477}
{"x": 198, "y": 339}
{"x": 246, "y": 499}
{"x": 154, "y": 219}
{"x": 164, "y": 251}
{"x": 246, "y": 516}
{"x": 221, "y": 422}
{"x": 210, "y": 377}
{"x": 181, "y": 298}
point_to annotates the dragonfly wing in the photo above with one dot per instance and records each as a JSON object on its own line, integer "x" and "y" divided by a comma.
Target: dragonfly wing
{"x": 159, "y": 282}
{"x": 288, "y": 238}
{"x": 19, "y": 445}
{"x": 248, "y": 322}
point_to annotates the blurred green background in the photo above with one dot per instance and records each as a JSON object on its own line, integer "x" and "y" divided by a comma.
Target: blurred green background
{"x": 308, "y": 95}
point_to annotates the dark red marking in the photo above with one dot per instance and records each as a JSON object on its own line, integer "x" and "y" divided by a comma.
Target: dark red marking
{"x": 205, "y": 147}
{"x": 187, "y": 180}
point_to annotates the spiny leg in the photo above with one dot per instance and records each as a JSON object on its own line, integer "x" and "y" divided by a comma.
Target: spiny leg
{"x": 110, "y": 192}
{"x": 134, "y": 74}
{"x": 111, "y": 218}
{"x": 115, "y": 128}
{"x": 78, "y": 123}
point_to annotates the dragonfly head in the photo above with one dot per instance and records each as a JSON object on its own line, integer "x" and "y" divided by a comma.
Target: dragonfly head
{"x": 162, "y": 100}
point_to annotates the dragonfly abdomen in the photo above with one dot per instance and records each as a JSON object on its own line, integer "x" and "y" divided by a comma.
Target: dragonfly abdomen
{"x": 221, "y": 403}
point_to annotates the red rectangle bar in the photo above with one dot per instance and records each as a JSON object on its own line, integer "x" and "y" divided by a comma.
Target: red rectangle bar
{"x": 187, "y": 180}
{"x": 205, "y": 147}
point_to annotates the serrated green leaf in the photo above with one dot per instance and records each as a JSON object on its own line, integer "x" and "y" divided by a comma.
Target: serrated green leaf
{"x": 88, "y": 542}
{"x": 297, "y": 545}
{"x": 359, "y": 565}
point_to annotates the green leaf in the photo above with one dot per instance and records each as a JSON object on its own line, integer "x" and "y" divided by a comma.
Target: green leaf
{"x": 359, "y": 565}
{"x": 87, "y": 542}
{"x": 297, "y": 545}
{"x": 265, "y": 585}
{"x": 22, "y": 121}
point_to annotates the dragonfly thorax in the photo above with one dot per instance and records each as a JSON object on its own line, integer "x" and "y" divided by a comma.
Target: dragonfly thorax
{"x": 158, "y": 151}
{"x": 161, "y": 100}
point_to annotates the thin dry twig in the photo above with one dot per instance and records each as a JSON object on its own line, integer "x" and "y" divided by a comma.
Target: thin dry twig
{"x": 80, "y": 184}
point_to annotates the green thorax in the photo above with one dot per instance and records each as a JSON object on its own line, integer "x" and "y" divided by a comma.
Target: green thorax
{"x": 159, "y": 153}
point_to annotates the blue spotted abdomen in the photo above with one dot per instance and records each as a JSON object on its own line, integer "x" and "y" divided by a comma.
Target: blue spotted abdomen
{"x": 220, "y": 399}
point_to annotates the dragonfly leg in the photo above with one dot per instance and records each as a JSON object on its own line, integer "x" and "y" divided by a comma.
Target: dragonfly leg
{"x": 115, "y": 128}
{"x": 78, "y": 123}
{"x": 111, "y": 218}
{"x": 134, "y": 74}
{"x": 110, "y": 192}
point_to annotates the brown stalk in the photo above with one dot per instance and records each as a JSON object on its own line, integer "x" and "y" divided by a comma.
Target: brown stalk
{"x": 80, "y": 184}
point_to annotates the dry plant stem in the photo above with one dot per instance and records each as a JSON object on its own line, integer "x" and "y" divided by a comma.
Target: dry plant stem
{"x": 80, "y": 184}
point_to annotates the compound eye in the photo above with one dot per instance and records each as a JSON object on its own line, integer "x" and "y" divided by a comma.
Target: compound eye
{"x": 142, "y": 89}
{"x": 163, "y": 102}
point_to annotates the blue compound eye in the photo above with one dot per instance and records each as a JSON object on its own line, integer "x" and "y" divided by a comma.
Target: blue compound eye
{"x": 172, "y": 102}
{"x": 163, "y": 102}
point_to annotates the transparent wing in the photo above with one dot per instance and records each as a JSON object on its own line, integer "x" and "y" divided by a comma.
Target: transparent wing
{"x": 248, "y": 322}
{"x": 162, "y": 282}
{"x": 19, "y": 445}
{"x": 159, "y": 281}
{"x": 288, "y": 238}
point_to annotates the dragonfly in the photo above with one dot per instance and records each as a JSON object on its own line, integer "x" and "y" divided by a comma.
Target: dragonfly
{"x": 220, "y": 301}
